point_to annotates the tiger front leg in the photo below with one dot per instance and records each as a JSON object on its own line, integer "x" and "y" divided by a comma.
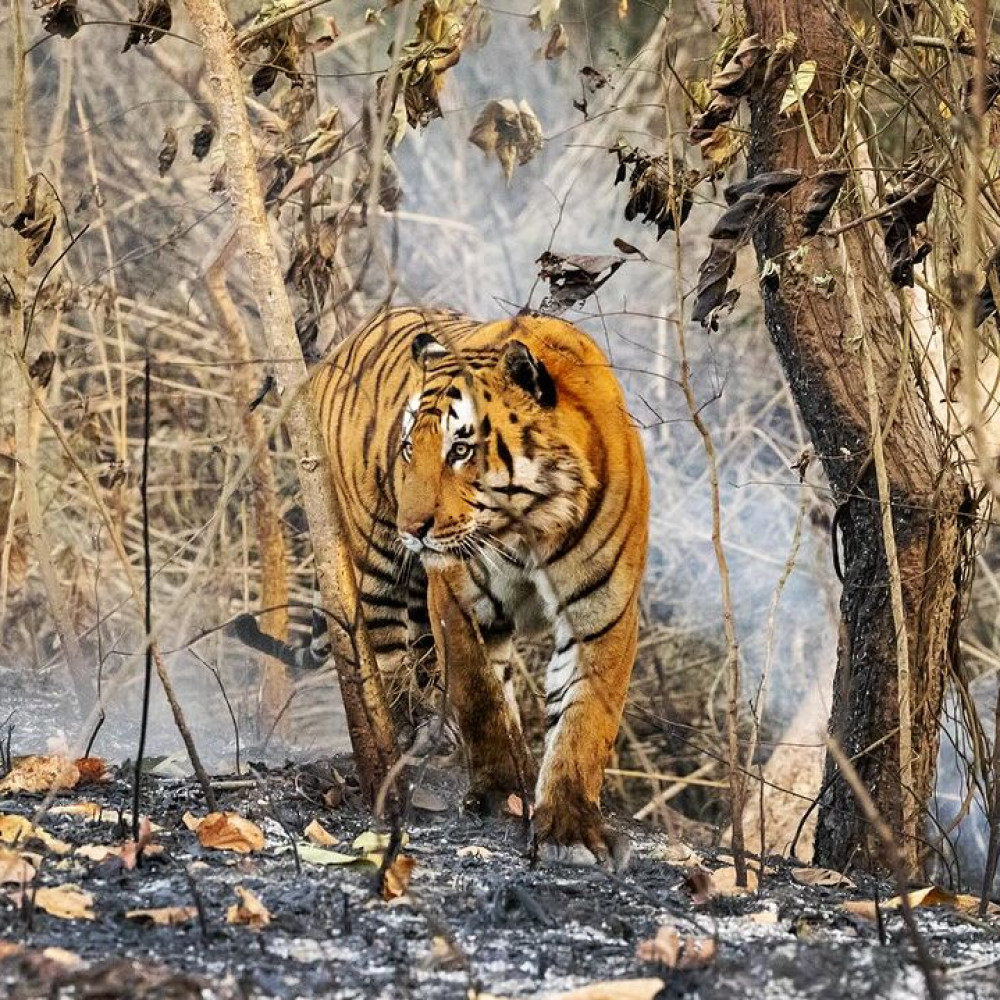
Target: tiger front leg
{"x": 586, "y": 685}
{"x": 500, "y": 762}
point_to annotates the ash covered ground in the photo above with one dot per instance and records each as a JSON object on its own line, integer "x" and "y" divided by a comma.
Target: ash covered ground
{"x": 469, "y": 924}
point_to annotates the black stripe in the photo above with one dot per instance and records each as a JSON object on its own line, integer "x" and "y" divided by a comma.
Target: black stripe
{"x": 382, "y": 648}
{"x": 590, "y": 637}
{"x": 383, "y": 601}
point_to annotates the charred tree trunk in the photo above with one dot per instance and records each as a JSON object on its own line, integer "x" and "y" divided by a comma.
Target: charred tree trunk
{"x": 828, "y": 314}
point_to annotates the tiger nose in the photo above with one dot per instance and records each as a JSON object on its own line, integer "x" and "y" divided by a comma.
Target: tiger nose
{"x": 416, "y": 530}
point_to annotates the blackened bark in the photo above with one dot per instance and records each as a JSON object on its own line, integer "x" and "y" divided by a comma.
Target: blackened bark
{"x": 815, "y": 336}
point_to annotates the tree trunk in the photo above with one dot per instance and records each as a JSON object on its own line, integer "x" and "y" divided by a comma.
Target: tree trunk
{"x": 368, "y": 717}
{"x": 825, "y": 332}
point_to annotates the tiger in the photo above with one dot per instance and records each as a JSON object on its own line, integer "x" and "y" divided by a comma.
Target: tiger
{"x": 492, "y": 484}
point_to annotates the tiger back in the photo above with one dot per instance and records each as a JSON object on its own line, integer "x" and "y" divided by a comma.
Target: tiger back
{"x": 491, "y": 483}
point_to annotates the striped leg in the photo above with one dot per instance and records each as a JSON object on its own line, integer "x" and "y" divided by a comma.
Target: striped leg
{"x": 585, "y": 690}
{"x": 500, "y": 762}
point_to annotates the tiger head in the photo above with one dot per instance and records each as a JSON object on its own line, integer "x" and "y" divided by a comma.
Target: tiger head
{"x": 487, "y": 459}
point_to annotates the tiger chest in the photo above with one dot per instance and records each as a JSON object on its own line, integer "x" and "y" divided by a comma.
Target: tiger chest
{"x": 511, "y": 596}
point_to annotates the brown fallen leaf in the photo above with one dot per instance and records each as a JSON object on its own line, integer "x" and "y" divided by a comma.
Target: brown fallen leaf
{"x": 615, "y": 989}
{"x": 475, "y": 851}
{"x": 40, "y": 773}
{"x": 675, "y": 950}
{"x": 677, "y": 853}
{"x": 249, "y": 911}
{"x": 18, "y": 830}
{"x": 397, "y": 877}
{"x": 68, "y": 902}
{"x": 821, "y": 876}
{"x": 164, "y": 916}
{"x": 931, "y": 895}
{"x": 15, "y": 868}
{"x": 228, "y": 831}
{"x": 319, "y": 835}
{"x": 765, "y": 918}
{"x": 515, "y": 805}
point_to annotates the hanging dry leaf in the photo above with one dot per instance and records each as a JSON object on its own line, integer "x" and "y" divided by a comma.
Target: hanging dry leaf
{"x": 769, "y": 184}
{"x": 822, "y": 877}
{"x": 660, "y": 188}
{"x": 615, "y": 989}
{"x": 155, "y": 17}
{"x": 510, "y": 131}
{"x": 249, "y": 911}
{"x": 15, "y": 868}
{"x": 36, "y": 219}
{"x": 738, "y": 74}
{"x": 397, "y": 876}
{"x": 824, "y": 194}
{"x": 543, "y": 14}
{"x": 41, "y": 368}
{"x": 713, "y": 280}
{"x": 723, "y": 147}
{"x": 164, "y": 916}
{"x": 434, "y": 49}
{"x": 201, "y": 143}
{"x": 18, "y": 830}
{"x": 228, "y": 831}
{"x": 556, "y": 44}
{"x": 677, "y": 951}
{"x": 319, "y": 835}
{"x": 168, "y": 151}
{"x": 62, "y": 19}
{"x": 68, "y": 902}
{"x": 325, "y": 138}
{"x": 802, "y": 80}
{"x": 321, "y": 33}
{"x": 573, "y": 278}
{"x": 593, "y": 79}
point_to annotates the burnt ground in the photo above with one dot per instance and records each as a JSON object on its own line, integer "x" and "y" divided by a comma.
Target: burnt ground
{"x": 467, "y": 925}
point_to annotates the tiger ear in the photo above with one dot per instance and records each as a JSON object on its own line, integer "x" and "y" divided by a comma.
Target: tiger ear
{"x": 528, "y": 373}
{"x": 426, "y": 347}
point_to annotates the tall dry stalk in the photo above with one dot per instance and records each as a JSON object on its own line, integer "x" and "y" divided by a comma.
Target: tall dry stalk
{"x": 361, "y": 687}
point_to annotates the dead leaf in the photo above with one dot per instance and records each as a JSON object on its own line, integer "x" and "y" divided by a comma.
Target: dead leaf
{"x": 201, "y": 142}
{"x": 515, "y": 805}
{"x": 802, "y": 80}
{"x": 428, "y": 801}
{"x": 36, "y": 219}
{"x": 556, "y": 44}
{"x": 15, "y": 868}
{"x": 475, "y": 851}
{"x": 543, "y": 14}
{"x": 677, "y": 951}
{"x": 321, "y": 33}
{"x": 510, "y": 131}
{"x": 370, "y": 842}
{"x": 824, "y": 194}
{"x": 168, "y": 151}
{"x": 319, "y": 835}
{"x": 164, "y": 916}
{"x": 325, "y": 138}
{"x": 821, "y": 877}
{"x": 396, "y": 878}
{"x": 574, "y": 277}
{"x": 314, "y": 855}
{"x": 593, "y": 79}
{"x": 713, "y": 280}
{"x": 723, "y": 882}
{"x": 737, "y": 75}
{"x": 660, "y": 188}
{"x": 155, "y": 18}
{"x": 40, "y": 773}
{"x": 677, "y": 853}
{"x": 18, "y": 830}
{"x": 765, "y": 918}
{"x": 41, "y": 368}
{"x": 931, "y": 895}
{"x": 62, "y": 18}
{"x": 68, "y": 902}
{"x": 228, "y": 831}
{"x": 615, "y": 989}
{"x": 249, "y": 911}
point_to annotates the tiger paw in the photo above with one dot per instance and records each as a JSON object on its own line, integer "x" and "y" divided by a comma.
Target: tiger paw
{"x": 571, "y": 832}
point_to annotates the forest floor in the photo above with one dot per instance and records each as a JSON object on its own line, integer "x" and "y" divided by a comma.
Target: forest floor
{"x": 470, "y": 918}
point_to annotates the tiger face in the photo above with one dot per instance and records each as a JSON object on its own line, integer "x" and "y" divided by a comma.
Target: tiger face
{"x": 485, "y": 463}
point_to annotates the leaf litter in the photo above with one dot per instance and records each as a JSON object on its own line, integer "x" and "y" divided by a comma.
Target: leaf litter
{"x": 460, "y": 913}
